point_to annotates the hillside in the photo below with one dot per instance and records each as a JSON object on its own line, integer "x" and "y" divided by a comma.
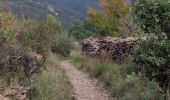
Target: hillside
{"x": 38, "y": 9}
{"x": 67, "y": 11}
{"x": 79, "y": 6}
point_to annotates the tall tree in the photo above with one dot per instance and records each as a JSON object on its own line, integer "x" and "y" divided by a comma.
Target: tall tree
{"x": 111, "y": 18}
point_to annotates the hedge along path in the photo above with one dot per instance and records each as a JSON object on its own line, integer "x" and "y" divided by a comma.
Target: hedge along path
{"x": 84, "y": 88}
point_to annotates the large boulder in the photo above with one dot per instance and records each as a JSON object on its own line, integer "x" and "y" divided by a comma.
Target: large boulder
{"x": 116, "y": 49}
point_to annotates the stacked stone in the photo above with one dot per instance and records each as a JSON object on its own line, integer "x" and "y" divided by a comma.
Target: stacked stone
{"x": 91, "y": 46}
{"x": 116, "y": 49}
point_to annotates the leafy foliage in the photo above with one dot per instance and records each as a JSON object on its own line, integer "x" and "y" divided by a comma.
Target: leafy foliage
{"x": 17, "y": 62}
{"x": 23, "y": 44}
{"x": 155, "y": 60}
{"x": 151, "y": 92}
{"x": 9, "y": 57}
{"x": 63, "y": 44}
{"x": 39, "y": 35}
{"x": 10, "y": 62}
{"x": 153, "y": 15}
{"x": 152, "y": 55}
{"x": 79, "y": 30}
{"x": 111, "y": 19}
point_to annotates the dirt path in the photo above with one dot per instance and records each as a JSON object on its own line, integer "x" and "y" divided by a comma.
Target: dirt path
{"x": 84, "y": 87}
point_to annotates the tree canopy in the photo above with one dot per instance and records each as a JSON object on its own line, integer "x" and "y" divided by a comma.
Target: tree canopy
{"x": 110, "y": 19}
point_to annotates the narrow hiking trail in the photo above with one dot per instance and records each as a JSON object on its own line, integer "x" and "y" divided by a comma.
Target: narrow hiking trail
{"x": 84, "y": 88}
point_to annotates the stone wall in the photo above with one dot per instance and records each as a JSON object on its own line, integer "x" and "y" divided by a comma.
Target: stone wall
{"x": 108, "y": 48}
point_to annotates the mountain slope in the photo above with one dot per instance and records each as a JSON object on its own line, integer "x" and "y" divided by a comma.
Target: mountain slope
{"x": 38, "y": 10}
{"x": 67, "y": 11}
{"x": 78, "y": 5}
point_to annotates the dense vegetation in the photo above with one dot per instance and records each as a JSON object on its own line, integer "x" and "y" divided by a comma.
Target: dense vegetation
{"x": 113, "y": 19}
{"x": 150, "y": 61}
{"x": 26, "y": 47}
{"x": 154, "y": 60}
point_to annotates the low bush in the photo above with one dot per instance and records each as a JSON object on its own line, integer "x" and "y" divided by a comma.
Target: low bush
{"x": 18, "y": 64}
{"x": 79, "y": 30}
{"x": 38, "y": 35}
{"x": 63, "y": 44}
{"x": 152, "y": 56}
{"x": 151, "y": 91}
{"x": 154, "y": 62}
{"x": 15, "y": 63}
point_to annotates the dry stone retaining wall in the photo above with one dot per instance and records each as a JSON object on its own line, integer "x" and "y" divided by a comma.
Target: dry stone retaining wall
{"x": 116, "y": 49}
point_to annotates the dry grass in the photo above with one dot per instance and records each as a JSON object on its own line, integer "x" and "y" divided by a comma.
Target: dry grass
{"x": 53, "y": 84}
{"x": 119, "y": 80}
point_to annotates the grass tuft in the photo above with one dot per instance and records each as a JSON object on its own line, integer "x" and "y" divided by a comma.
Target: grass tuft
{"x": 52, "y": 84}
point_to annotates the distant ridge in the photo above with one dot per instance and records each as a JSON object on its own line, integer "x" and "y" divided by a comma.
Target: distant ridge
{"x": 38, "y": 10}
{"x": 67, "y": 11}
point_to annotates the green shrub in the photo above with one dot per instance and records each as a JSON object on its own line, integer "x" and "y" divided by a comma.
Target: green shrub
{"x": 151, "y": 91}
{"x": 153, "y": 16}
{"x": 79, "y": 30}
{"x": 39, "y": 36}
{"x": 152, "y": 57}
{"x": 97, "y": 70}
{"x": 17, "y": 64}
{"x": 63, "y": 44}
{"x": 10, "y": 57}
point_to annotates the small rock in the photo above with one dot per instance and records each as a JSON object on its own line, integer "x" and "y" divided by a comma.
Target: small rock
{"x": 18, "y": 91}
{"x": 3, "y": 98}
{"x": 9, "y": 92}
